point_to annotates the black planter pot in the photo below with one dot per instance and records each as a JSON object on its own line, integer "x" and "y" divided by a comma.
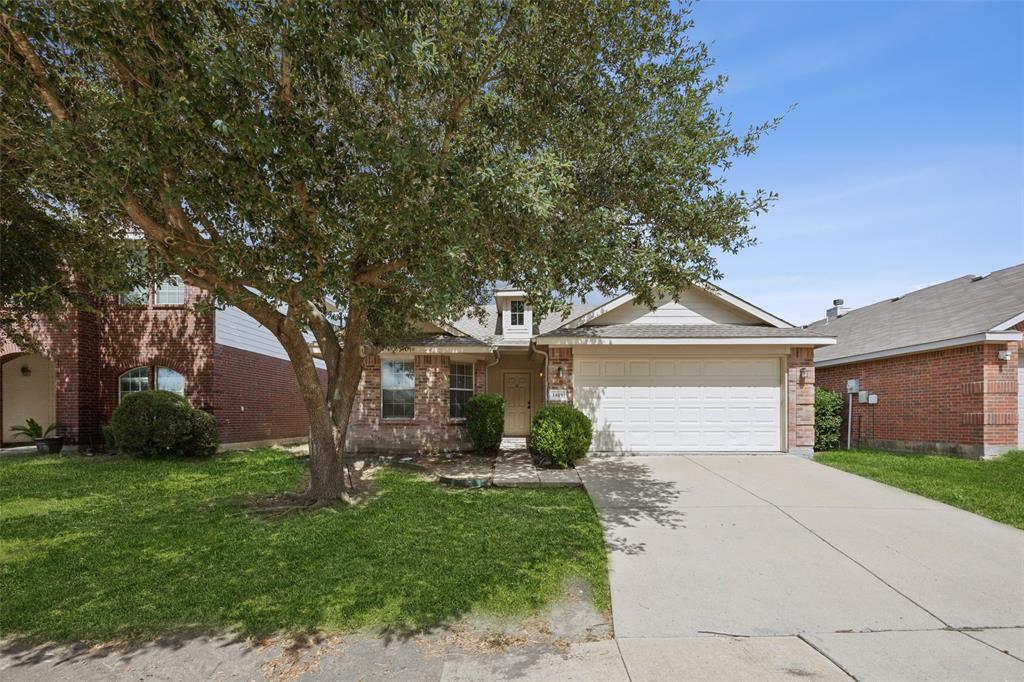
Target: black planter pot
{"x": 49, "y": 446}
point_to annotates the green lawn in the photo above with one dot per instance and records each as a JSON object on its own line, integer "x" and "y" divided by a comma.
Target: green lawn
{"x": 95, "y": 549}
{"x": 993, "y": 488}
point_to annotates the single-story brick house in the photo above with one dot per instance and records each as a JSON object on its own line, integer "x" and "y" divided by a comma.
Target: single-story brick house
{"x": 944, "y": 361}
{"x": 707, "y": 373}
{"x": 224, "y": 362}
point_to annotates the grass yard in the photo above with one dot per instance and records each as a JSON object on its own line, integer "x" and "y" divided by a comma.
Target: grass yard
{"x": 992, "y": 488}
{"x": 95, "y": 549}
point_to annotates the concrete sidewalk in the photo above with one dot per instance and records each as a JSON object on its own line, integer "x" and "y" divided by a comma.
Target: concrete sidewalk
{"x": 884, "y": 584}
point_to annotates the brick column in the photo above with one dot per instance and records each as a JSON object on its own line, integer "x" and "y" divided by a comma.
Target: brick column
{"x": 800, "y": 400}
{"x": 560, "y": 359}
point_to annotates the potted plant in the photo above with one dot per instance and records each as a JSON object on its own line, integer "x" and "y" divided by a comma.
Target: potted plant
{"x": 45, "y": 443}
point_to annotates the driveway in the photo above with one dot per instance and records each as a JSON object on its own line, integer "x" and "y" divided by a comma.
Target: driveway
{"x": 783, "y": 552}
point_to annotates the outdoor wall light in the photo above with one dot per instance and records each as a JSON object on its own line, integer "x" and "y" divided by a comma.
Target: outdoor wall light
{"x": 803, "y": 375}
{"x": 25, "y": 371}
{"x": 558, "y": 372}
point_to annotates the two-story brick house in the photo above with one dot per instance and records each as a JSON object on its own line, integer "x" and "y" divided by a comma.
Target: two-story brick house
{"x": 152, "y": 338}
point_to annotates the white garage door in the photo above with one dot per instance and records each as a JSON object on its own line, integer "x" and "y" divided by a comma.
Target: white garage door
{"x": 684, "y": 404}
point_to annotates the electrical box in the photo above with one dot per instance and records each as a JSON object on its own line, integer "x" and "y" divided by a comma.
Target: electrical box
{"x": 873, "y": 399}
{"x": 852, "y": 385}
{"x": 862, "y": 396}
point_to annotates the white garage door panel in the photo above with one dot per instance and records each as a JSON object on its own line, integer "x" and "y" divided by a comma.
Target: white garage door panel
{"x": 681, "y": 405}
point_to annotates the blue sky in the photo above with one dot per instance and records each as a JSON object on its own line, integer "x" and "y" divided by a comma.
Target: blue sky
{"x": 903, "y": 162}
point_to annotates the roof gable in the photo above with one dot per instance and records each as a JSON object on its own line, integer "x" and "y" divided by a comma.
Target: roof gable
{"x": 701, "y": 304}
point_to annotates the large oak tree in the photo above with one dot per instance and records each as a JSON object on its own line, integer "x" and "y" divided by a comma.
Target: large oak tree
{"x": 388, "y": 160}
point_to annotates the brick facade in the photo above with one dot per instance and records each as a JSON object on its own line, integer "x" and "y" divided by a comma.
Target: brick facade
{"x": 800, "y": 400}
{"x": 90, "y": 353}
{"x": 560, "y": 360}
{"x": 431, "y": 429}
{"x": 959, "y": 401}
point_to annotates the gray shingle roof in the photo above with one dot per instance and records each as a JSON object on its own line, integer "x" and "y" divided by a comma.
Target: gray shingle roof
{"x": 960, "y": 307}
{"x": 690, "y": 331}
{"x": 439, "y": 340}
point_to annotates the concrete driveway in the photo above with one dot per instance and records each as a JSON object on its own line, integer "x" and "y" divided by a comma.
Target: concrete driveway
{"x": 785, "y": 553}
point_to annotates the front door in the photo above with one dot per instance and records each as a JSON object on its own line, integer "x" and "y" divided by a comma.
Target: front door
{"x": 516, "y": 389}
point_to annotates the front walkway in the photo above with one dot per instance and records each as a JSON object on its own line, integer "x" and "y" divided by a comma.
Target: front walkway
{"x": 511, "y": 467}
{"x": 797, "y": 561}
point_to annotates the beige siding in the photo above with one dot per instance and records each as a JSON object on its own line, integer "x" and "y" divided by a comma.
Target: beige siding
{"x": 694, "y": 307}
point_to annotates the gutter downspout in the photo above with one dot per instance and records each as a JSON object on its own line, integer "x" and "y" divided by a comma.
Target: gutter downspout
{"x": 545, "y": 354}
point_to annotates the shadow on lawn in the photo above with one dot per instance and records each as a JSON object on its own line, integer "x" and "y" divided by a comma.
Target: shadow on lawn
{"x": 627, "y": 495}
{"x": 163, "y": 547}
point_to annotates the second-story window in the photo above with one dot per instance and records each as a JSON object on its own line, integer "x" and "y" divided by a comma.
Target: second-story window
{"x": 137, "y": 297}
{"x": 171, "y": 292}
{"x": 518, "y": 309}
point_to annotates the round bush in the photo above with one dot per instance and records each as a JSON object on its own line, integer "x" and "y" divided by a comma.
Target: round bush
{"x": 485, "y": 420}
{"x": 560, "y": 435}
{"x": 204, "y": 434}
{"x": 152, "y": 424}
{"x": 828, "y": 419}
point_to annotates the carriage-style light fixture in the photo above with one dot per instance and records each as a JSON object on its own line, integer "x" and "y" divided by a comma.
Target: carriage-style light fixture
{"x": 558, "y": 372}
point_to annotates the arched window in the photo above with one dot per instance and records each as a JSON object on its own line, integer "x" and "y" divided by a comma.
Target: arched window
{"x": 132, "y": 381}
{"x": 169, "y": 380}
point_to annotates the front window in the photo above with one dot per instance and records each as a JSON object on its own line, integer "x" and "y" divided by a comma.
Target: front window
{"x": 518, "y": 309}
{"x": 133, "y": 381}
{"x": 169, "y": 380}
{"x": 398, "y": 389}
{"x": 460, "y": 388}
{"x": 171, "y": 292}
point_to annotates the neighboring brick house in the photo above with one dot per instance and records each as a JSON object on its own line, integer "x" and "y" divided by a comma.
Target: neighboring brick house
{"x": 708, "y": 372}
{"x": 223, "y": 362}
{"x": 944, "y": 361}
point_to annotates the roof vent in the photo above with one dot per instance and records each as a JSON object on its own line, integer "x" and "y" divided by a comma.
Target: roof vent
{"x": 978, "y": 277}
{"x": 837, "y": 310}
{"x": 896, "y": 298}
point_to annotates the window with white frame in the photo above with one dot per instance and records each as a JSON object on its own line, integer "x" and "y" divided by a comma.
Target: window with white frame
{"x": 171, "y": 292}
{"x": 518, "y": 313}
{"x": 132, "y": 381}
{"x": 460, "y": 388}
{"x": 169, "y": 380}
{"x": 398, "y": 389}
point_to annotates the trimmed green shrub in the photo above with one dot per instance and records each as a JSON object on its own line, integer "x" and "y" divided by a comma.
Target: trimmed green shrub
{"x": 204, "y": 434}
{"x": 485, "y": 420}
{"x": 828, "y": 419}
{"x": 560, "y": 434}
{"x": 151, "y": 424}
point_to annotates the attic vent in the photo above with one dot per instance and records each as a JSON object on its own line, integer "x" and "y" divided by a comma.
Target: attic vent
{"x": 978, "y": 278}
{"x": 893, "y": 300}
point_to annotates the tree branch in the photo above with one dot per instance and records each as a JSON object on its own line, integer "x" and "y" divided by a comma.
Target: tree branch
{"x": 372, "y": 274}
{"x": 49, "y": 94}
{"x": 481, "y": 79}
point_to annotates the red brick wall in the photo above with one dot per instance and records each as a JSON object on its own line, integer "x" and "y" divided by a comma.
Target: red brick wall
{"x": 800, "y": 399}
{"x": 952, "y": 401}
{"x": 256, "y": 397}
{"x": 169, "y": 336}
{"x": 71, "y": 343}
{"x": 560, "y": 358}
{"x": 430, "y": 430}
